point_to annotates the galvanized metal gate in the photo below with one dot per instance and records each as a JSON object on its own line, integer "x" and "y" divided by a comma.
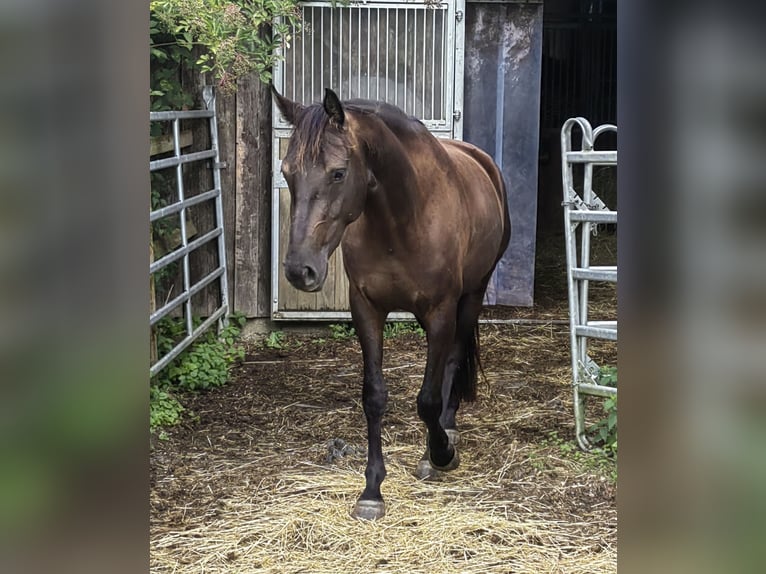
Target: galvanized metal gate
{"x": 409, "y": 54}
{"x": 181, "y": 304}
{"x": 587, "y": 211}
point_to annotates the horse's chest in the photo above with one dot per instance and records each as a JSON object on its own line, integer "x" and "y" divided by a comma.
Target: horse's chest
{"x": 390, "y": 277}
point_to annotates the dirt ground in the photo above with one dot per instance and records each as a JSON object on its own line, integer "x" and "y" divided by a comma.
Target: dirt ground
{"x": 262, "y": 473}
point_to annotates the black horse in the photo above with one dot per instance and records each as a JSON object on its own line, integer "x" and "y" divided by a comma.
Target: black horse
{"x": 422, "y": 223}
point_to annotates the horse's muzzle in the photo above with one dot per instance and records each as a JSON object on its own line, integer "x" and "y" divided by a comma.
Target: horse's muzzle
{"x": 304, "y": 275}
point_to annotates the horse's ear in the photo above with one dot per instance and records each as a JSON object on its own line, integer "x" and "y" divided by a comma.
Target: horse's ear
{"x": 333, "y": 107}
{"x": 288, "y": 108}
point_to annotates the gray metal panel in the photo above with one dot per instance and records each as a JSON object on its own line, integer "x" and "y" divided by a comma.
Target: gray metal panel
{"x": 503, "y": 50}
{"x": 190, "y": 288}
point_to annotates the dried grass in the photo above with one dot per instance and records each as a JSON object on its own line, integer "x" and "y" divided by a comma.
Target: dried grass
{"x": 299, "y": 522}
{"x": 249, "y": 486}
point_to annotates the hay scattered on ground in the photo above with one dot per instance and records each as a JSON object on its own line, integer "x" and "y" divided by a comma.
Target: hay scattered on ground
{"x": 250, "y": 487}
{"x": 262, "y": 478}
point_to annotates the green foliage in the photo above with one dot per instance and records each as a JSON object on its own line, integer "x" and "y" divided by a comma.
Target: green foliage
{"x": 228, "y": 38}
{"x": 594, "y": 461}
{"x": 605, "y": 430}
{"x": 342, "y": 331}
{"x": 205, "y": 364}
{"x": 607, "y": 376}
{"x": 391, "y": 330}
{"x": 164, "y": 408}
{"x": 398, "y": 328}
{"x": 275, "y": 340}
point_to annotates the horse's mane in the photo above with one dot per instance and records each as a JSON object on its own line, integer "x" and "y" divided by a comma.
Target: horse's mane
{"x": 313, "y": 123}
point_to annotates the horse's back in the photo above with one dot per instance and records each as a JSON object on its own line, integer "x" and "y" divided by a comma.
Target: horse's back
{"x": 484, "y": 197}
{"x": 460, "y": 150}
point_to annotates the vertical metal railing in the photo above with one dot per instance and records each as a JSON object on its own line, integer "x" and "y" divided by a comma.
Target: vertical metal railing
{"x": 401, "y": 53}
{"x": 585, "y": 212}
{"x": 179, "y": 207}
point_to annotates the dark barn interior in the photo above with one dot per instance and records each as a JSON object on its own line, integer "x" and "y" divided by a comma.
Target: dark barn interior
{"x": 579, "y": 78}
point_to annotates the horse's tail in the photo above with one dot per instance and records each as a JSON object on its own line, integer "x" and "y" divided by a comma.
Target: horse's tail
{"x": 465, "y": 379}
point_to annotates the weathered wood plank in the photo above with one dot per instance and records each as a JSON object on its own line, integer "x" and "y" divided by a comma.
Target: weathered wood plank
{"x": 252, "y": 289}
{"x": 226, "y": 109}
{"x": 164, "y": 143}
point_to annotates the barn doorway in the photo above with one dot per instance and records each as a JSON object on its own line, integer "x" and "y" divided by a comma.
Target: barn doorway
{"x": 578, "y": 78}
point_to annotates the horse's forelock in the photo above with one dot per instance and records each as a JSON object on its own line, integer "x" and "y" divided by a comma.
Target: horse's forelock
{"x": 312, "y": 126}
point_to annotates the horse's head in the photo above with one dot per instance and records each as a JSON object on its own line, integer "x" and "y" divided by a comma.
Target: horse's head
{"x": 328, "y": 182}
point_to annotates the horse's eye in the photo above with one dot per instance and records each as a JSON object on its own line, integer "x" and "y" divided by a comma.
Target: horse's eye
{"x": 338, "y": 174}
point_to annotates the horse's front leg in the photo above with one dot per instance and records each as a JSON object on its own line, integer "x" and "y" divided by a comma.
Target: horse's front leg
{"x": 440, "y": 330}
{"x": 368, "y": 322}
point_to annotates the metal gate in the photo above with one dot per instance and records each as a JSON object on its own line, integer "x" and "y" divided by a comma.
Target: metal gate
{"x": 587, "y": 211}
{"x": 409, "y": 54}
{"x": 178, "y": 208}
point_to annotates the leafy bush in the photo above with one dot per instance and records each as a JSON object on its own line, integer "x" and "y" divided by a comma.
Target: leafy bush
{"x": 275, "y": 340}
{"x": 164, "y": 408}
{"x": 605, "y": 430}
{"x": 342, "y": 330}
{"x": 203, "y": 365}
{"x": 398, "y": 328}
{"x": 228, "y": 38}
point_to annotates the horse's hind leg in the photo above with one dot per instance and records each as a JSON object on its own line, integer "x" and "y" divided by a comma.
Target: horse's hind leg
{"x": 368, "y": 322}
{"x": 440, "y": 327}
{"x": 459, "y": 375}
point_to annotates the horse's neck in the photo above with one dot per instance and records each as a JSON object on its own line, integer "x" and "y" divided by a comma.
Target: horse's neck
{"x": 395, "y": 202}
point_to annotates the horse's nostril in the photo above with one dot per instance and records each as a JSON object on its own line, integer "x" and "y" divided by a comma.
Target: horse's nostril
{"x": 309, "y": 275}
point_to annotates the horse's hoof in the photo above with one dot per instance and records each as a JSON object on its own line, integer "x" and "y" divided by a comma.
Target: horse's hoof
{"x": 369, "y": 510}
{"x": 453, "y": 436}
{"x": 451, "y": 465}
{"x": 425, "y": 471}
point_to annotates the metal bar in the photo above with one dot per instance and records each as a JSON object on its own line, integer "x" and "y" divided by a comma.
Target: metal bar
{"x": 208, "y": 96}
{"x": 350, "y": 49}
{"x": 332, "y": 42}
{"x": 321, "y": 51}
{"x": 433, "y": 61}
{"x": 196, "y": 288}
{"x": 275, "y": 228}
{"x": 597, "y": 390}
{"x": 182, "y": 215}
{"x": 592, "y": 157}
{"x": 164, "y": 361}
{"x": 313, "y": 63}
{"x": 176, "y": 207}
{"x": 406, "y": 34}
{"x": 388, "y": 59}
{"x": 445, "y": 42}
{"x": 340, "y": 52}
{"x": 596, "y": 273}
{"x": 377, "y": 54}
{"x": 596, "y": 332}
{"x": 425, "y": 65}
{"x": 414, "y": 59}
{"x": 459, "y": 64}
{"x": 359, "y": 54}
{"x": 180, "y": 115}
{"x": 585, "y": 236}
{"x": 593, "y": 216}
{"x": 330, "y": 316}
{"x": 396, "y": 61}
{"x": 178, "y": 253}
{"x": 369, "y": 63}
{"x": 303, "y": 62}
{"x": 179, "y": 159}
{"x": 293, "y": 53}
